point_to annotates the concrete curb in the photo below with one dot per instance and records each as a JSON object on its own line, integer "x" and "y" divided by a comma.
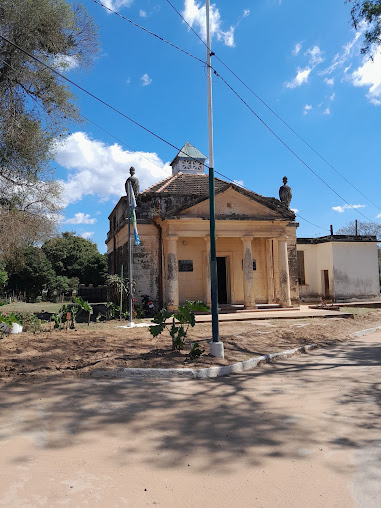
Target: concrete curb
{"x": 209, "y": 372}
{"x": 205, "y": 373}
{"x": 361, "y": 333}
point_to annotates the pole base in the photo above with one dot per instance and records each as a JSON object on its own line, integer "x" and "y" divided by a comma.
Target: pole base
{"x": 130, "y": 324}
{"x": 217, "y": 349}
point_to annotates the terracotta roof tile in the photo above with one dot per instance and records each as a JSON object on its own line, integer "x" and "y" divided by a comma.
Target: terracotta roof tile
{"x": 181, "y": 183}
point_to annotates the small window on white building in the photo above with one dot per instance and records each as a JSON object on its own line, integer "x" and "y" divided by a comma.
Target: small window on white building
{"x": 301, "y": 273}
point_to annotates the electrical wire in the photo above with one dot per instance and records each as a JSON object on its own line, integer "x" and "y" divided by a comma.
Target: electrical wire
{"x": 241, "y": 99}
{"x": 121, "y": 113}
{"x": 148, "y": 31}
{"x": 271, "y": 109}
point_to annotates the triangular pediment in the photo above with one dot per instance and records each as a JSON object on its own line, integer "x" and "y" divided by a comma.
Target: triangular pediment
{"x": 232, "y": 204}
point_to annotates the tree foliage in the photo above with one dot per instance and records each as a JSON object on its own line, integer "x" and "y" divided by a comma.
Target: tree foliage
{"x": 35, "y": 105}
{"x": 74, "y": 256}
{"x": 363, "y": 228}
{"x": 370, "y": 12}
{"x": 35, "y": 273}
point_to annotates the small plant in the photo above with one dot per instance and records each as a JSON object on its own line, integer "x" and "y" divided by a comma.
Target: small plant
{"x": 196, "y": 351}
{"x": 84, "y": 306}
{"x": 181, "y": 321}
{"x": 29, "y": 321}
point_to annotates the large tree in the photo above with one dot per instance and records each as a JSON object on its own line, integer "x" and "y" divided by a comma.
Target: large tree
{"x": 370, "y": 12}
{"x": 363, "y": 228}
{"x": 34, "y": 275}
{"x": 74, "y": 256}
{"x": 36, "y": 104}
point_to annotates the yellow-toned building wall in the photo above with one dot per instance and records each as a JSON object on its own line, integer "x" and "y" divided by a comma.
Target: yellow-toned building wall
{"x": 192, "y": 284}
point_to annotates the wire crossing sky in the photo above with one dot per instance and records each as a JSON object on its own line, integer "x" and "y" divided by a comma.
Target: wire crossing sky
{"x": 306, "y": 69}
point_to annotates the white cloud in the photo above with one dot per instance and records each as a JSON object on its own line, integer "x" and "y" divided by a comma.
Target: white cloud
{"x": 327, "y": 111}
{"x": 238, "y": 182}
{"x": 316, "y": 56}
{"x": 245, "y": 13}
{"x": 369, "y": 74}
{"x": 329, "y": 81}
{"x": 378, "y": 216}
{"x": 116, "y": 4}
{"x": 195, "y": 14}
{"x": 341, "y": 209}
{"x": 95, "y": 168}
{"x": 307, "y": 108}
{"x": 295, "y": 210}
{"x": 65, "y": 62}
{"x": 87, "y": 234}
{"x": 300, "y": 78}
{"x": 81, "y": 218}
{"x": 146, "y": 80}
{"x": 297, "y": 48}
{"x": 347, "y": 51}
{"x": 142, "y": 14}
{"x": 128, "y": 81}
{"x": 332, "y": 96}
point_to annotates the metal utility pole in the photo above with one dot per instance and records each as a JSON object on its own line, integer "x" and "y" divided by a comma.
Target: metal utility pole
{"x": 216, "y": 347}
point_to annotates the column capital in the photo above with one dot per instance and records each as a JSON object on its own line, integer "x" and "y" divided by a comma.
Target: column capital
{"x": 247, "y": 238}
{"x": 283, "y": 238}
{"x": 171, "y": 237}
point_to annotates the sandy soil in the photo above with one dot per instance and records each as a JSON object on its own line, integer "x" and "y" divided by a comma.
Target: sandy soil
{"x": 76, "y": 353}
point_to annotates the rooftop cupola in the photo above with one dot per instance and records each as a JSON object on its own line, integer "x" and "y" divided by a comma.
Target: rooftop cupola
{"x": 189, "y": 160}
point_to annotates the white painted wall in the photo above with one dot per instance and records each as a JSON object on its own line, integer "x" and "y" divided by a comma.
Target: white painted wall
{"x": 317, "y": 257}
{"x": 355, "y": 270}
{"x": 352, "y": 269}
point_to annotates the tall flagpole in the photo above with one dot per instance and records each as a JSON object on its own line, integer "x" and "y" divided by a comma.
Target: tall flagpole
{"x": 129, "y": 190}
{"x": 216, "y": 346}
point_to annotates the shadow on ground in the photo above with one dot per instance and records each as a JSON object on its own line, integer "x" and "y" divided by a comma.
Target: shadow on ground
{"x": 166, "y": 423}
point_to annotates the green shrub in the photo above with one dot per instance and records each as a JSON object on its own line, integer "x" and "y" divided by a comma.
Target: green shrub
{"x": 181, "y": 321}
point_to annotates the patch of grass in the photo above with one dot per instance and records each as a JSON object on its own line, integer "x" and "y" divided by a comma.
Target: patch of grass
{"x": 31, "y": 307}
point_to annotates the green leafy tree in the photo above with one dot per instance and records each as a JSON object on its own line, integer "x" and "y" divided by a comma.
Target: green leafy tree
{"x": 34, "y": 275}
{"x": 3, "y": 278}
{"x": 370, "y": 12}
{"x": 36, "y": 105}
{"x": 74, "y": 256}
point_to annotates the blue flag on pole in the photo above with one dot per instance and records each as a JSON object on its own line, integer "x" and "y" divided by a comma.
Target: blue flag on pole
{"x": 133, "y": 216}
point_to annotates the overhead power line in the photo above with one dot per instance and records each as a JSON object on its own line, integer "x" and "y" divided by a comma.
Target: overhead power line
{"x": 241, "y": 99}
{"x": 149, "y": 32}
{"x": 120, "y": 113}
{"x": 271, "y": 109}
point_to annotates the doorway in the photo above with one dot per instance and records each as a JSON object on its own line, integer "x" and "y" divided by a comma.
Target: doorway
{"x": 222, "y": 280}
{"x": 325, "y": 284}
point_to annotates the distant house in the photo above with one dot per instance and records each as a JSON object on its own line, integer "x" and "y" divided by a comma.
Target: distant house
{"x": 256, "y": 241}
{"x": 338, "y": 267}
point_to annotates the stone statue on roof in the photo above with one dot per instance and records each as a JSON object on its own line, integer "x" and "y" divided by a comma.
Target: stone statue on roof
{"x": 134, "y": 182}
{"x": 285, "y": 193}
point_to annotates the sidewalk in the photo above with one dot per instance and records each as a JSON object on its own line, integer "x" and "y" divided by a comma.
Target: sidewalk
{"x": 301, "y": 312}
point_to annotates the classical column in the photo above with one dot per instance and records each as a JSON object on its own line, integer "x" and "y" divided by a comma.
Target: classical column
{"x": 248, "y": 277}
{"x": 270, "y": 271}
{"x": 284, "y": 275}
{"x": 172, "y": 296}
{"x": 208, "y": 297}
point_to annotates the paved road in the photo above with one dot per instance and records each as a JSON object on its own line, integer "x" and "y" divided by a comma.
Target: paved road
{"x": 305, "y": 432}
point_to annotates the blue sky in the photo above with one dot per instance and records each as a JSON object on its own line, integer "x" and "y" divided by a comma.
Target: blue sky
{"x": 304, "y": 62}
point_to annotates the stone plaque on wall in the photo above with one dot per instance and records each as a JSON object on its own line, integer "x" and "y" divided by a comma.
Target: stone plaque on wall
{"x": 185, "y": 265}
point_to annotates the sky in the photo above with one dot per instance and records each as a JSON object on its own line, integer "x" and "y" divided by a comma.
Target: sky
{"x": 302, "y": 59}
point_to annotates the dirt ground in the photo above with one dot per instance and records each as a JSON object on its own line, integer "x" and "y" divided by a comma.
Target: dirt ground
{"x": 76, "y": 353}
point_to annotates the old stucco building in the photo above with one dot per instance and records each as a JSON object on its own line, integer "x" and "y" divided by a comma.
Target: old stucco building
{"x": 338, "y": 267}
{"x": 256, "y": 241}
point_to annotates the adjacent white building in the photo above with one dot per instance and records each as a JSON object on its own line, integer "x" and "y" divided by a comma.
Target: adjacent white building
{"x": 338, "y": 267}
